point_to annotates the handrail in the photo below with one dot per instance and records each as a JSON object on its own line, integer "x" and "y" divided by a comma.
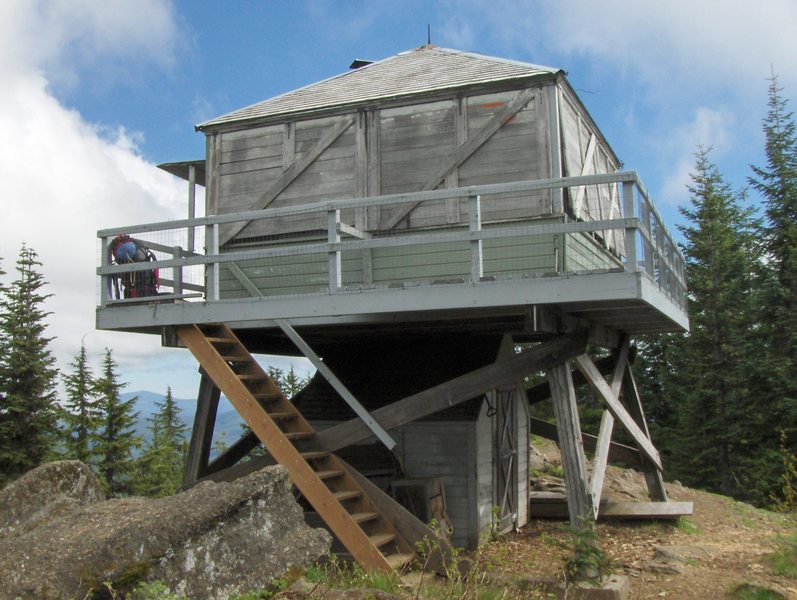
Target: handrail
{"x": 644, "y": 229}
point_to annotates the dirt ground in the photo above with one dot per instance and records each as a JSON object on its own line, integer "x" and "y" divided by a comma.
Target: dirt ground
{"x": 724, "y": 544}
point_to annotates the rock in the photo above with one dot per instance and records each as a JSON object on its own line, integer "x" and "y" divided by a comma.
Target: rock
{"x": 682, "y": 554}
{"x": 211, "y": 541}
{"x": 46, "y": 492}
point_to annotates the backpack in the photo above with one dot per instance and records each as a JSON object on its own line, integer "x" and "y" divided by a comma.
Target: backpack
{"x": 136, "y": 284}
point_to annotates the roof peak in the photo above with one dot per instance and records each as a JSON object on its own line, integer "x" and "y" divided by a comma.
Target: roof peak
{"x": 421, "y": 70}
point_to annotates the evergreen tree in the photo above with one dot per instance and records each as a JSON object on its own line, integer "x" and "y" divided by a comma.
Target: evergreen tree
{"x": 161, "y": 466}
{"x": 116, "y": 438}
{"x": 711, "y": 364}
{"x": 80, "y": 415}
{"x": 776, "y": 386}
{"x": 27, "y": 374}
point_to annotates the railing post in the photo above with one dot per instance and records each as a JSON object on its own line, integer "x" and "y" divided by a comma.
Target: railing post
{"x": 629, "y": 212}
{"x": 191, "y": 206}
{"x": 177, "y": 272}
{"x": 475, "y": 222}
{"x": 212, "y": 273}
{"x": 335, "y": 264}
{"x": 106, "y": 293}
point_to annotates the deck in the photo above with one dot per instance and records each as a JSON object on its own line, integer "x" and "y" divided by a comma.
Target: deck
{"x": 623, "y": 272}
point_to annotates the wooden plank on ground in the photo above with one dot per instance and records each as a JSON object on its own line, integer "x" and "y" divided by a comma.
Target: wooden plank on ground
{"x": 457, "y": 390}
{"x": 599, "y": 385}
{"x": 556, "y": 508}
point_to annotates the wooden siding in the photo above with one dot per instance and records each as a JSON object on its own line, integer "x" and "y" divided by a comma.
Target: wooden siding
{"x": 445, "y": 450}
{"x": 481, "y": 519}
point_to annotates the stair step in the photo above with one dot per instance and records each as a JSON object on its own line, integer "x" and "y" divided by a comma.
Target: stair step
{"x": 397, "y": 561}
{"x": 266, "y": 396}
{"x": 248, "y": 376}
{"x": 300, "y": 435}
{"x": 363, "y": 517}
{"x": 380, "y": 539}
{"x": 329, "y": 473}
{"x": 282, "y": 416}
{"x": 310, "y": 455}
{"x": 235, "y": 358}
{"x": 347, "y": 495}
{"x": 220, "y": 340}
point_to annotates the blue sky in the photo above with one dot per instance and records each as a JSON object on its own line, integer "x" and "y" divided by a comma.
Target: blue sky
{"x": 97, "y": 93}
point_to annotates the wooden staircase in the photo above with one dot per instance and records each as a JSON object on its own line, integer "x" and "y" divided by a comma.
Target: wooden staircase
{"x": 288, "y": 437}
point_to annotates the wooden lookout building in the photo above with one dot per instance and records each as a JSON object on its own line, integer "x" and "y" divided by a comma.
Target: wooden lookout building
{"x": 429, "y": 230}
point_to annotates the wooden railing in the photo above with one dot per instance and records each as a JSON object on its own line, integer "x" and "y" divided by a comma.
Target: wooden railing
{"x": 643, "y": 242}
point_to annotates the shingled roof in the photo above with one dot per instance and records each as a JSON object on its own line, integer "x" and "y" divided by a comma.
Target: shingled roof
{"x": 423, "y": 70}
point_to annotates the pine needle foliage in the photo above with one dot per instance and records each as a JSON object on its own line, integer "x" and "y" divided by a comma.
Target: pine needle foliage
{"x": 160, "y": 468}
{"x": 116, "y": 439}
{"x": 27, "y": 373}
{"x": 80, "y": 416}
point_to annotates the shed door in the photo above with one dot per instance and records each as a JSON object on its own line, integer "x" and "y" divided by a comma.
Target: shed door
{"x": 505, "y": 488}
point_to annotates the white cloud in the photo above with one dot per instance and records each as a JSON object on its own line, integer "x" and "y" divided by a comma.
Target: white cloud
{"x": 709, "y": 128}
{"x": 678, "y": 41}
{"x": 64, "y": 178}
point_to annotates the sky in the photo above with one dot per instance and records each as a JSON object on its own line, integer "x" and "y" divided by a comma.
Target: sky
{"x": 95, "y": 94}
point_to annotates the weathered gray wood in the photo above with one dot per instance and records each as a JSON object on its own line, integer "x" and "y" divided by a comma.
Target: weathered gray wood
{"x": 574, "y": 463}
{"x": 599, "y": 385}
{"x": 555, "y": 146}
{"x": 542, "y": 391}
{"x": 553, "y": 506}
{"x": 457, "y": 390}
{"x": 288, "y": 145}
{"x": 291, "y": 173}
{"x": 202, "y": 434}
{"x": 465, "y": 151}
{"x": 653, "y": 476}
{"x": 617, "y": 452}
{"x": 600, "y": 460}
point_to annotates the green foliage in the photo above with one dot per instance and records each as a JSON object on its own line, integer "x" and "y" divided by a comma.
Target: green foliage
{"x": 116, "y": 439}
{"x": 344, "y": 575}
{"x": 80, "y": 417}
{"x": 751, "y": 591}
{"x": 784, "y": 560}
{"x": 160, "y": 468}
{"x": 157, "y": 590}
{"x": 27, "y": 376}
{"x": 585, "y": 561}
{"x": 686, "y": 525}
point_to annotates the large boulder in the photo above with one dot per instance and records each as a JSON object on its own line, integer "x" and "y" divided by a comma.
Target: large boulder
{"x": 211, "y": 541}
{"x": 46, "y": 492}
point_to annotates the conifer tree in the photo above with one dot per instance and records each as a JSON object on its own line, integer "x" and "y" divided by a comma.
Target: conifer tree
{"x": 161, "y": 466}
{"x": 776, "y": 387}
{"x": 27, "y": 374}
{"x": 116, "y": 439}
{"x": 80, "y": 415}
{"x": 711, "y": 364}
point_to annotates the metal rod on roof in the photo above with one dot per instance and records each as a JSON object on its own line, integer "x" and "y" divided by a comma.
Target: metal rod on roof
{"x": 428, "y": 34}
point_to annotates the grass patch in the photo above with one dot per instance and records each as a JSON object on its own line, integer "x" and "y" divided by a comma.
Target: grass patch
{"x": 343, "y": 575}
{"x": 750, "y": 591}
{"x": 686, "y": 525}
{"x": 784, "y": 560}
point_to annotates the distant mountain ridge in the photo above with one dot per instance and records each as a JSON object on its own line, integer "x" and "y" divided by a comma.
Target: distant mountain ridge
{"x": 228, "y": 422}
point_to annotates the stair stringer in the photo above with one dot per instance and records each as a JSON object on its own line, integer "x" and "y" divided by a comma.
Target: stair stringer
{"x": 320, "y": 495}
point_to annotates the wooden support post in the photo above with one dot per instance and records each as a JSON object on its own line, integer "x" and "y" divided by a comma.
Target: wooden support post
{"x": 457, "y": 390}
{"x": 653, "y": 477}
{"x": 177, "y": 288}
{"x": 202, "y": 435}
{"x": 629, "y": 211}
{"x": 574, "y": 463}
